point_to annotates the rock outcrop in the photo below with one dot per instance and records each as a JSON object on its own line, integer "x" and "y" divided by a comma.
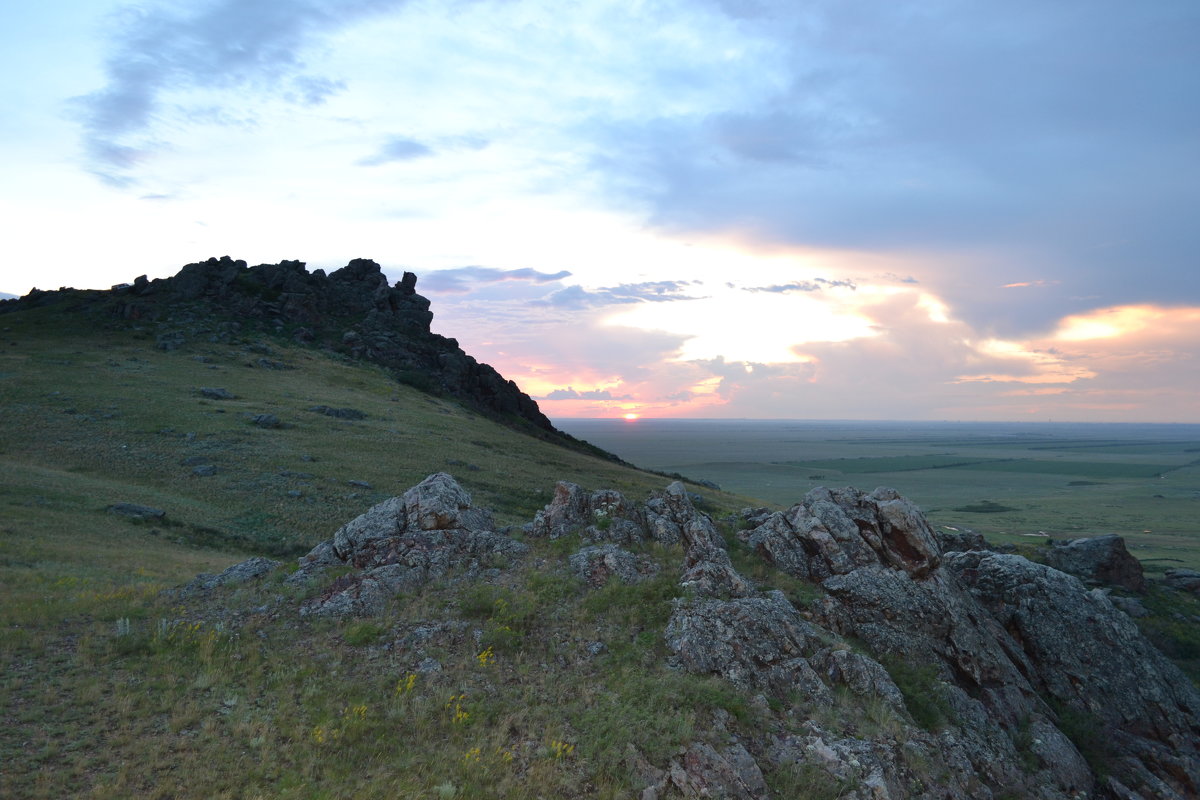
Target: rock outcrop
{"x": 402, "y": 544}
{"x": 926, "y": 668}
{"x": 1102, "y": 560}
{"x": 353, "y": 311}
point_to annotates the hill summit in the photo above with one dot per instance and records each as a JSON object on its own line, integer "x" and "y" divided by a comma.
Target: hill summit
{"x": 353, "y": 311}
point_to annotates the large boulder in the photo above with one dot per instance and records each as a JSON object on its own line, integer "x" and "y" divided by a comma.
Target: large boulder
{"x": 1099, "y": 560}
{"x": 835, "y": 531}
{"x": 1092, "y": 660}
{"x": 403, "y": 543}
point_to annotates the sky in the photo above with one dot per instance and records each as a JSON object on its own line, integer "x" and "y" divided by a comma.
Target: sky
{"x": 836, "y": 209}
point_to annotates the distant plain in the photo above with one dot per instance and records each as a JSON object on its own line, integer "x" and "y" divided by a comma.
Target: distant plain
{"x": 1012, "y": 482}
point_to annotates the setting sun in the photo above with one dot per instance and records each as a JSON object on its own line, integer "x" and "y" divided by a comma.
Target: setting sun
{"x": 631, "y": 416}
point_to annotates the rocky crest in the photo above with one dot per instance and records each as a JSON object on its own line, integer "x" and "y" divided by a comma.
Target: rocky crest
{"x": 353, "y": 311}
{"x": 1042, "y": 688}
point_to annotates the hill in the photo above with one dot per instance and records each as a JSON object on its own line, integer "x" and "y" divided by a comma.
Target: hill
{"x": 405, "y": 594}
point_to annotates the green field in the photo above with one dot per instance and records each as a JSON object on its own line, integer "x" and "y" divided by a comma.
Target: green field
{"x": 1058, "y": 480}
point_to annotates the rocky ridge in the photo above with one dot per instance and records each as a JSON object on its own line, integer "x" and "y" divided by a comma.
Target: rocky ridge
{"x": 1039, "y": 686}
{"x": 353, "y": 311}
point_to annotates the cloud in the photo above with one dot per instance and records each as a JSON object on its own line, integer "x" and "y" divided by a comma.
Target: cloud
{"x": 461, "y": 280}
{"x": 570, "y": 393}
{"x": 625, "y": 293}
{"x": 397, "y": 148}
{"x": 223, "y": 45}
{"x": 987, "y": 141}
{"x": 815, "y": 285}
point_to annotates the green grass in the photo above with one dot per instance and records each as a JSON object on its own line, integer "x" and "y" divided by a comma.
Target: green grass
{"x": 111, "y": 688}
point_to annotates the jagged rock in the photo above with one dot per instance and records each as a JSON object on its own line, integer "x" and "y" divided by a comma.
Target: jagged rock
{"x": 708, "y": 572}
{"x": 1098, "y": 560}
{"x": 861, "y": 675}
{"x": 352, "y": 310}
{"x": 731, "y": 774}
{"x": 604, "y": 515}
{"x": 404, "y": 542}
{"x": 753, "y": 642}
{"x": 1092, "y": 659}
{"x": 136, "y": 511}
{"x": 959, "y": 541}
{"x": 1185, "y": 580}
{"x": 242, "y": 572}
{"x": 597, "y": 565}
{"x": 835, "y": 531}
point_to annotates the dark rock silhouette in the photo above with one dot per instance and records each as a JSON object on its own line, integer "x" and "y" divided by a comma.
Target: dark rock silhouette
{"x": 353, "y": 311}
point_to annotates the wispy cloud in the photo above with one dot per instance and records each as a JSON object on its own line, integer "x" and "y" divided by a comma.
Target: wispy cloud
{"x": 245, "y": 45}
{"x": 570, "y": 393}
{"x": 397, "y": 148}
{"x": 815, "y": 285}
{"x": 625, "y": 293}
{"x": 461, "y": 280}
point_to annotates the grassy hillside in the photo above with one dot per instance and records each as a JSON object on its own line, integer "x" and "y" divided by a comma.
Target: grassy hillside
{"x": 106, "y": 686}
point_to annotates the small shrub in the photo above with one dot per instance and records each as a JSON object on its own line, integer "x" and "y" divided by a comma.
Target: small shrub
{"x": 362, "y": 633}
{"x": 922, "y": 693}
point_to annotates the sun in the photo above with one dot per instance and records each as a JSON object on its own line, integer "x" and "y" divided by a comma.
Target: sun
{"x": 630, "y": 417}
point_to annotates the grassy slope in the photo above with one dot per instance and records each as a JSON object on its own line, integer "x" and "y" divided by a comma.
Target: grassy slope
{"x": 111, "y": 689}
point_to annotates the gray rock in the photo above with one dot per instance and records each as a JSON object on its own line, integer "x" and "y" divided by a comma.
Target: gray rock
{"x": 428, "y": 666}
{"x": 752, "y": 642}
{"x": 266, "y": 421}
{"x": 1093, "y": 659}
{"x": 204, "y": 471}
{"x": 339, "y": 413}
{"x": 1130, "y": 605}
{"x": 730, "y": 773}
{"x": 1098, "y": 560}
{"x": 1185, "y": 580}
{"x": 406, "y": 541}
{"x": 960, "y": 541}
{"x": 136, "y": 511}
{"x": 833, "y": 532}
{"x": 597, "y": 565}
{"x": 604, "y": 515}
{"x": 242, "y": 572}
{"x": 216, "y": 393}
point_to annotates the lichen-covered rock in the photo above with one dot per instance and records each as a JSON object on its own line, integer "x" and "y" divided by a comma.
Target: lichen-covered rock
{"x": 597, "y": 565}
{"x": 1099, "y": 560}
{"x": 604, "y": 515}
{"x": 241, "y": 572}
{"x": 835, "y": 531}
{"x": 960, "y": 541}
{"x": 405, "y": 542}
{"x": 438, "y": 503}
{"x": 730, "y": 774}
{"x": 752, "y": 642}
{"x": 1092, "y": 659}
